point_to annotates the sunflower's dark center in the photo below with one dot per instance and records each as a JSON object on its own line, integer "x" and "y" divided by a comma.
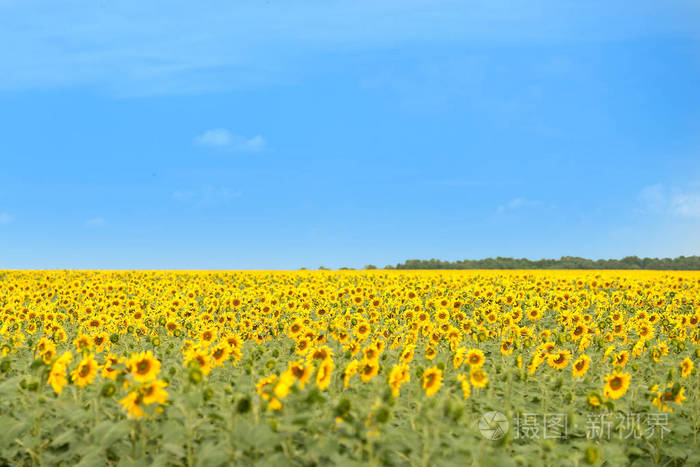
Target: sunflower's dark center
{"x": 616, "y": 383}
{"x": 143, "y": 366}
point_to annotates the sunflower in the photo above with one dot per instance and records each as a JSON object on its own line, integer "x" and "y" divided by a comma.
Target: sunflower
{"x": 85, "y": 372}
{"x": 616, "y": 385}
{"x": 132, "y": 403}
{"x": 534, "y": 314}
{"x": 609, "y": 350}
{"x": 57, "y": 375}
{"x": 143, "y": 366}
{"x": 302, "y": 347}
{"x": 370, "y": 353}
{"x": 579, "y": 331}
{"x": 350, "y": 371}
{"x": 219, "y": 354}
{"x": 154, "y": 392}
{"x": 108, "y": 371}
{"x": 686, "y": 367}
{"x": 645, "y": 331}
{"x": 323, "y": 376}
{"x": 45, "y": 345}
{"x": 674, "y": 393}
{"x": 83, "y": 343}
{"x": 621, "y": 358}
{"x": 458, "y": 357}
{"x": 407, "y": 354}
{"x": 320, "y": 353}
{"x": 559, "y": 360}
{"x": 430, "y": 353}
{"x": 594, "y": 400}
{"x": 301, "y": 371}
{"x": 475, "y": 358}
{"x": 478, "y": 378}
{"x": 48, "y": 355}
{"x": 198, "y": 358}
{"x": 507, "y": 347}
{"x": 432, "y": 380}
{"x": 263, "y": 386}
{"x": 464, "y": 381}
{"x": 397, "y": 376}
{"x": 171, "y": 326}
{"x": 101, "y": 340}
{"x": 284, "y": 383}
{"x": 537, "y": 360}
{"x": 295, "y": 328}
{"x": 638, "y": 348}
{"x": 368, "y": 369}
{"x": 362, "y": 330}
{"x": 581, "y": 365}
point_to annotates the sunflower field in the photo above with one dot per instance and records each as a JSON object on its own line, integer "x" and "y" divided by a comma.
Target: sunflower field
{"x": 411, "y": 368}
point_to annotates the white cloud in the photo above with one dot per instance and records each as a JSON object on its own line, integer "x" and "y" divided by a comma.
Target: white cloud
{"x": 96, "y": 222}
{"x": 673, "y": 201}
{"x": 256, "y": 143}
{"x": 218, "y": 137}
{"x": 6, "y": 218}
{"x": 223, "y": 139}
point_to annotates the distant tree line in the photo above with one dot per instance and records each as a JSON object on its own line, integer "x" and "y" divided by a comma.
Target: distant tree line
{"x": 681, "y": 263}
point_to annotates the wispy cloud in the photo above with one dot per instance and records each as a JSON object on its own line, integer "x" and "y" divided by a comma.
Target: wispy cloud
{"x": 6, "y": 218}
{"x": 141, "y": 48}
{"x": 96, "y": 222}
{"x": 517, "y": 203}
{"x": 674, "y": 201}
{"x": 222, "y": 138}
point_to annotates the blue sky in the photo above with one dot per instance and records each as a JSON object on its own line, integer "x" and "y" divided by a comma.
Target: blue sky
{"x": 268, "y": 134}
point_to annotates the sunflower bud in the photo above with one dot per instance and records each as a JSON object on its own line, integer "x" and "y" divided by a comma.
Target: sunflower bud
{"x": 195, "y": 375}
{"x": 108, "y": 390}
{"x": 382, "y": 415}
{"x": 342, "y": 408}
{"x": 591, "y": 455}
{"x": 243, "y": 405}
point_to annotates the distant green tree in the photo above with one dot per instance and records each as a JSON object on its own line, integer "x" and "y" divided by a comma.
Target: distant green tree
{"x": 370, "y": 266}
{"x": 686, "y": 263}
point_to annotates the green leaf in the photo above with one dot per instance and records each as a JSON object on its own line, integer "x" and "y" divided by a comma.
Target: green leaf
{"x": 212, "y": 455}
{"x": 66, "y": 437}
{"x": 91, "y": 457}
{"x": 174, "y": 449}
{"x": 108, "y": 432}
